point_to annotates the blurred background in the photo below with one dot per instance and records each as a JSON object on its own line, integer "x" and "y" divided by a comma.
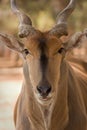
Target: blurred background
{"x": 43, "y": 14}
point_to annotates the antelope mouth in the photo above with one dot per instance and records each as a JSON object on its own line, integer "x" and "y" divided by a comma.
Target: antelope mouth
{"x": 46, "y": 100}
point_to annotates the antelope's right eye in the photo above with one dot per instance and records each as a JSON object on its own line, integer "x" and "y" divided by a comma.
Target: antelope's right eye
{"x": 26, "y": 52}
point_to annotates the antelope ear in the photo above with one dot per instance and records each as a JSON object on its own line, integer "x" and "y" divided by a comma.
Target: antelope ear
{"x": 76, "y": 40}
{"x": 11, "y": 42}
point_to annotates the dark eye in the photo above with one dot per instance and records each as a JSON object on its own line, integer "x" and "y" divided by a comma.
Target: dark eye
{"x": 61, "y": 50}
{"x": 26, "y": 51}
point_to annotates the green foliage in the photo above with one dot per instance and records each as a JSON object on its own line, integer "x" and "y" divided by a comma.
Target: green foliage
{"x": 43, "y": 14}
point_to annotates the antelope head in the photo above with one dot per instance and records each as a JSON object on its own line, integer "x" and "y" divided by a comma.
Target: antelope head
{"x": 43, "y": 52}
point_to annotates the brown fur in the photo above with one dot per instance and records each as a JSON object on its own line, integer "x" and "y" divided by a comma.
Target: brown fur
{"x": 67, "y": 108}
{"x": 70, "y": 111}
{"x": 46, "y": 64}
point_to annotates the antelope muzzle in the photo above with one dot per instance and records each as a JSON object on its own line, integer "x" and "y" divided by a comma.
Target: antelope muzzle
{"x": 44, "y": 90}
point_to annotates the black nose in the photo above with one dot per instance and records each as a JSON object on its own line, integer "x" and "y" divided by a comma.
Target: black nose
{"x": 44, "y": 90}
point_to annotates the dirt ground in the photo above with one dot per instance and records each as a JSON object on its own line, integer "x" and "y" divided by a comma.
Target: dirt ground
{"x": 10, "y": 86}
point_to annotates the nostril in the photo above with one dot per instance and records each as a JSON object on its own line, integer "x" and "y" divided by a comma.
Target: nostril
{"x": 39, "y": 89}
{"x": 44, "y": 90}
{"x": 48, "y": 90}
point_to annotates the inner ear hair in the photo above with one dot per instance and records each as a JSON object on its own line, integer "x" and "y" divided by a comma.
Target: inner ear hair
{"x": 11, "y": 42}
{"x": 76, "y": 40}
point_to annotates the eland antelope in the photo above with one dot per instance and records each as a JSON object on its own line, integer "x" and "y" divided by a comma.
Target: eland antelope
{"x": 54, "y": 91}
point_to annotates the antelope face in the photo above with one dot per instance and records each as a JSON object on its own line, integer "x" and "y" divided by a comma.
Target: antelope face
{"x": 43, "y": 51}
{"x": 43, "y": 60}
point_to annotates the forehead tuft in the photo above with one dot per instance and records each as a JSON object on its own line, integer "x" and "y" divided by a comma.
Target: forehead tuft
{"x": 42, "y": 41}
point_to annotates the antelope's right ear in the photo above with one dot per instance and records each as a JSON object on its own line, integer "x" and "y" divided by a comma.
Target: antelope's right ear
{"x": 11, "y": 42}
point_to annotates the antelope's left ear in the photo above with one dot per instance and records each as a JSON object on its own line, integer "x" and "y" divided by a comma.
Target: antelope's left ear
{"x": 76, "y": 40}
{"x": 11, "y": 42}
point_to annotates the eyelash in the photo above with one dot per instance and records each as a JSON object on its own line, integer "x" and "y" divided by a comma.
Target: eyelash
{"x": 26, "y": 52}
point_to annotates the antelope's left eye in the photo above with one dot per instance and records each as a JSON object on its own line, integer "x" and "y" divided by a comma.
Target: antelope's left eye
{"x": 61, "y": 50}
